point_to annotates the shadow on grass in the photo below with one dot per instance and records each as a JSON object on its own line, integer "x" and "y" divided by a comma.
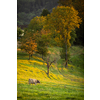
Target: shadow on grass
{"x": 25, "y": 56}
{"x": 71, "y": 98}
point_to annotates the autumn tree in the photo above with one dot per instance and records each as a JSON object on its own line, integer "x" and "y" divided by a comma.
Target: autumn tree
{"x": 28, "y": 44}
{"x": 62, "y": 44}
{"x": 79, "y": 6}
{"x": 62, "y": 21}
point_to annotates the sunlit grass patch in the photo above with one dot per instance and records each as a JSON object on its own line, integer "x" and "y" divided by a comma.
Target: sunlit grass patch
{"x": 30, "y": 62}
{"x": 70, "y": 66}
{"x": 25, "y": 72}
{"x": 38, "y": 58}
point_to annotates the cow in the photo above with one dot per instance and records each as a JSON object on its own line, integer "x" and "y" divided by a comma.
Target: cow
{"x": 33, "y": 81}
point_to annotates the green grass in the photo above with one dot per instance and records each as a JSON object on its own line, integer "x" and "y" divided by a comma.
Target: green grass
{"x": 69, "y": 87}
{"x": 49, "y": 92}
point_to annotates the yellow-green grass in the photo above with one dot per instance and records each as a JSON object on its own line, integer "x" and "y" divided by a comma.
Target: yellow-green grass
{"x": 62, "y": 83}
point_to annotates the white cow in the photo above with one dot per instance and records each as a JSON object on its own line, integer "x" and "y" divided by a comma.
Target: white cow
{"x": 33, "y": 81}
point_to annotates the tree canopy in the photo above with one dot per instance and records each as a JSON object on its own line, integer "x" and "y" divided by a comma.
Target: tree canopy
{"x": 42, "y": 38}
{"x": 45, "y": 12}
{"x": 62, "y": 21}
{"x": 36, "y": 24}
{"x": 79, "y": 6}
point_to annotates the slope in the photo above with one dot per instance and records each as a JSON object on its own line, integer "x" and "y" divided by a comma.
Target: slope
{"x": 61, "y": 84}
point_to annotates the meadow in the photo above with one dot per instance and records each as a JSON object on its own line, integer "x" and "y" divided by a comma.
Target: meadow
{"x": 61, "y": 84}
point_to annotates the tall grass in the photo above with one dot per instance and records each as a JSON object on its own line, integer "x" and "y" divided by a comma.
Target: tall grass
{"x": 62, "y": 83}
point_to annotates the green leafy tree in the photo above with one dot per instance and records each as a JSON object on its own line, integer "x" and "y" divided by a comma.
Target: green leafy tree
{"x": 41, "y": 47}
{"x": 45, "y": 12}
{"x": 80, "y": 35}
{"x": 36, "y": 24}
{"x": 19, "y": 32}
{"x": 73, "y": 37}
{"x": 42, "y": 39}
{"x": 62, "y": 21}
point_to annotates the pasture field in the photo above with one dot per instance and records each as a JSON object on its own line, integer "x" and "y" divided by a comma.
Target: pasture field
{"x": 61, "y": 84}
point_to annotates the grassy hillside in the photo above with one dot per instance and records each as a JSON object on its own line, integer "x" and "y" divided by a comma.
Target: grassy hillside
{"x": 62, "y": 83}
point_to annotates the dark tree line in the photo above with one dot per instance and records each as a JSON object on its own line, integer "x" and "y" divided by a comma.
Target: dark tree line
{"x": 27, "y": 9}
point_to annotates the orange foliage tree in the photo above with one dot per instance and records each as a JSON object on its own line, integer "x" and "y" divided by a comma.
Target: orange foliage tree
{"x": 79, "y": 6}
{"x": 62, "y": 21}
{"x": 28, "y": 44}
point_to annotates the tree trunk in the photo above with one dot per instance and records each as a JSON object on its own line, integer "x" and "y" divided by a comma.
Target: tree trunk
{"x": 48, "y": 70}
{"x": 42, "y": 55}
{"x": 66, "y": 64}
{"x": 48, "y": 65}
{"x": 29, "y": 56}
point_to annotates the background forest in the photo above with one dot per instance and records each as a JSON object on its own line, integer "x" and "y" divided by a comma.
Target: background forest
{"x": 27, "y": 9}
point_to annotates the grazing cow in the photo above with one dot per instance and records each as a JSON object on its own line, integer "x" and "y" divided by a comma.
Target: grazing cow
{"x": 33, "y": 81}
